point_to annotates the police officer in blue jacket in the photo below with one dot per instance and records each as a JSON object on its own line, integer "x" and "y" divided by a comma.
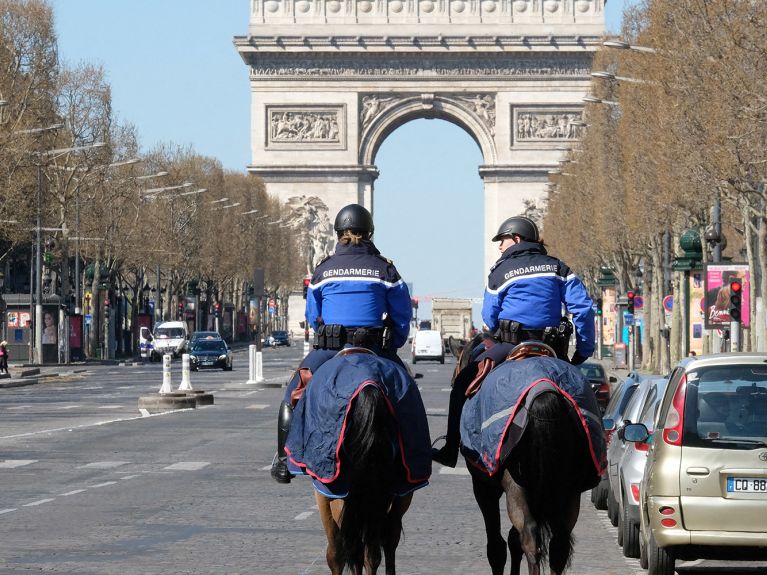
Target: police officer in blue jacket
{"x": 526, "y": 295}
{"x": 356, "y": 297}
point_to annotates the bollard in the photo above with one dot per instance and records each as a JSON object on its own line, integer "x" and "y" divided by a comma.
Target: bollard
{"x": 251, "y": 364}
{"x": 186, "y": 381}
{"x": 259, "y": 367}
{"x": 166, "y": 379}
{"x": 307, "y": 348}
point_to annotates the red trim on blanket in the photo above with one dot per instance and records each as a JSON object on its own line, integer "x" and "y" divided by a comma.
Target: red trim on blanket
{"x": 491, "y": 467}
{"x": 342, "y": 436}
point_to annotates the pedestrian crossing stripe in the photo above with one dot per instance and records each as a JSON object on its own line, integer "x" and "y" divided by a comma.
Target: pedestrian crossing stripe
{"x": 13, "y": 463}
{"x": 186, "y": 466}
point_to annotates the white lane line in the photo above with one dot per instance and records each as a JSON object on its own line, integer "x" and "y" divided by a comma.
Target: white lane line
{"x": 19, "y": 407}
{"x": 130, "y": 477}
{"x": 448, "y": 389}
{"x": 187, "y": 466}
{"x": 91, "y": 388}
{"x": 266, "y": 467}
{"x": 13, "y": 463}
{"x": 451, "y": 471}
{"x": 104, "y": 484}
{"x": 68, "y": 406}
{"x": 435, "y": 410}
{"x": 73, "y": 492}
{"x": 111, "y": 406}
{"x": 9, "y": 510}
{"x": 103, "y": 465}
{"x": 304, "y": 515}
{"x": 250, "y": 393}
{"x": 258, "y": 406}
{"x": 38, "y": 502}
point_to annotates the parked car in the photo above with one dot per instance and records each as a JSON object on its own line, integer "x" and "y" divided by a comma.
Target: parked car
{"x": 618, "y": 400}
{"x": 170, "y": 337}
{"x": 280, "y": 337}
{"x": 597, "y": 377}
{"x": 427, "y": 344}
{"x": 704, "y": 490}
{"x": 209, "y": 335}
{"x": 630, "y": 469}
{"x": 210, "y": 353}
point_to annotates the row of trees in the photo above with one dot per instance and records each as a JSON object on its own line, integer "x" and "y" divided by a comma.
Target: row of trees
{"x": 680, "y": 126}
{"x": 66, "y": 157}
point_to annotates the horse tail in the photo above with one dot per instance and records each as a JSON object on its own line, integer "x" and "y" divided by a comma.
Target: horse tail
{"x": 369, "y": 453}
{"x": 550, "y": 465}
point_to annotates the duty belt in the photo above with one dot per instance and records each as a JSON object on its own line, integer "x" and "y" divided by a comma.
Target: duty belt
{"x": 510, "y": 331}
{"x": 336, "y": 336}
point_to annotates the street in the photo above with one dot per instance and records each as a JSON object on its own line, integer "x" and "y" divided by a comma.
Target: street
{"x": 91, "y": 487}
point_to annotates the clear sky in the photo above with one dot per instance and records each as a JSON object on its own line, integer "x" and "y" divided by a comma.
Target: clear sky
{"x": 176, "y": 75}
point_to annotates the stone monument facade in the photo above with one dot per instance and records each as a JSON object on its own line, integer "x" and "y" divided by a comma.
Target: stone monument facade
{"x": 330, "y": 79}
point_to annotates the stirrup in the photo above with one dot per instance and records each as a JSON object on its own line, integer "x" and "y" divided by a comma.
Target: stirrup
{"x": 280, "y": 472}
{"x": 443, "y": 455}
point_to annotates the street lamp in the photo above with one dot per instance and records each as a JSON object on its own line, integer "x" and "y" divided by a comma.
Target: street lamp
{"x": 621, "y": 45}
{"x": 610, "y": 76}
{"x": 594, "y": 100}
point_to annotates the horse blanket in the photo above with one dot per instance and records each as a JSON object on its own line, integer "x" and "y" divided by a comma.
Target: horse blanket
{"x": 315, "y": 441}
{"x": 499, "y": 410}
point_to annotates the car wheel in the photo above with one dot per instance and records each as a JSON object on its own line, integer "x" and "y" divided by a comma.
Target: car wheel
{"x": 599, "y": 495}
{"x": 659, "y": 562}
{"x": 442, "y": 359}
{"x": 642, "y": 550}
{"x": 612, "y": 506}
{"x": 620, "y": 523}
{"x": 229, "y": 368}
{"x": 414, "y": 360}
{"x": 630, "y": 535}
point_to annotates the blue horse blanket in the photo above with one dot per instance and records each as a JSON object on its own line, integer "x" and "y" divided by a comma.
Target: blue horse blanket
{"x": 316, "y": 437}
{"x": 499, "y": 410}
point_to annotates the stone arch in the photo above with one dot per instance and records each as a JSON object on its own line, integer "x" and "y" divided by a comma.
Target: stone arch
{"x": 452, "y": 108}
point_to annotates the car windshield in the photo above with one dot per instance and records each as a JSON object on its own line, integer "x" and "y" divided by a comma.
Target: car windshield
{"x": 726, "y": 406}
{"x": 169, "y": 332}
{"x": 280, "y": 334}
{"x": 209, "y": 345}
{"x": 205, "y": 335}
{"x": 591, "y": 371}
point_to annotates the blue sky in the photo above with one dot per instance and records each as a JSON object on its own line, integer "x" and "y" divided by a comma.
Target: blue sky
{"x": 176, "y": 75}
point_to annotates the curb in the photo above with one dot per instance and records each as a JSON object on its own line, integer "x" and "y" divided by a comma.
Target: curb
{"x": 19, "y": 383}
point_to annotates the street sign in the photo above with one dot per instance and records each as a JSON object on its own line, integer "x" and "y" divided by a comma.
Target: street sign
{"x": 668, "y": 303}
{"x": 88, "y": 319}
{"x": 628, "y": 319}
{"x": 638, "y": 302}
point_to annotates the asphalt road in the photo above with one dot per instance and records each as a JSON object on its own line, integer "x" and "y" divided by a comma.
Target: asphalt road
{"x": 89, "y": 487}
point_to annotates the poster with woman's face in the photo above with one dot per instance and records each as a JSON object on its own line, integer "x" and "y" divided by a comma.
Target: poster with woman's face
{"x": 50, "y": 329}
{"x": 717, "y": 300}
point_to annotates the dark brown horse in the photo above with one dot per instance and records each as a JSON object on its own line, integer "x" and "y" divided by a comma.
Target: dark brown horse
{"x": 369, "y": 519}
{"x": 542, "y": 479}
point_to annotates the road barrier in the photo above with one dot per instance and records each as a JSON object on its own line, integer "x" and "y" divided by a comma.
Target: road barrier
{"x": 186, "y": 380}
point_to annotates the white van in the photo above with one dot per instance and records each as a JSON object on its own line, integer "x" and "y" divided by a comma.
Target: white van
{"x": 171, "y": 337}
{"x": 427, "y": 344}
{"x": 146, "y": 343}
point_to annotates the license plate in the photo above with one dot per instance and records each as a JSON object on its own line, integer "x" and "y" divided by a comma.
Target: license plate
{"x": 208, "y": 363}
{"x": 747, "y": 485}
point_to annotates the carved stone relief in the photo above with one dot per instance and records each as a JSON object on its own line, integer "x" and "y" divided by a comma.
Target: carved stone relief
{"x": 309, "y": 217}
{"x": 298, "y": 125}
{"x": 483, "y": 105}
{"x": 546, "y": 125}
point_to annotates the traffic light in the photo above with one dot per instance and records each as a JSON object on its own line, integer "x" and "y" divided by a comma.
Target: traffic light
{"x": 599, "y": 306}
{"x": 736, "y": 299}
{"x": 630, "y": 297}
{"x": 180, "y": 308}
{"x": 307, "y": 281}
{"x": 217, "y": 309}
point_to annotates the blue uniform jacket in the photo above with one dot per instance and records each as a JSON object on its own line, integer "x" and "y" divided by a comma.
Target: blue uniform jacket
{"x": 529, "y": 286}
{"x": 355, "y": 287}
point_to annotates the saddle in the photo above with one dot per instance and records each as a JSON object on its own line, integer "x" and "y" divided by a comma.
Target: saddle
{"x": 305, "y": 374}
{"x": 522, "y": 351}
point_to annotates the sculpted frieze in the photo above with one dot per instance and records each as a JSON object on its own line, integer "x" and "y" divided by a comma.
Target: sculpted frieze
{"x": 546, "y": 125}
{"x": 305, "y": 125}
{"x": 376, "y": 66}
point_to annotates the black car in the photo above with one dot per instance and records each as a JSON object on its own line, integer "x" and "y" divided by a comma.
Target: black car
{"x": 597, "y": 377}
{"x": 280, "y": 338}
{"x": 205, "y": 353}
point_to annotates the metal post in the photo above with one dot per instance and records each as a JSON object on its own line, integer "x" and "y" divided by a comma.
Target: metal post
{"x": 716, "y": 217}
{"x": 307, "y": 347}
{"x": 78, "y": 309}
{"x": 39, "y": 273}
{"x": 186, "y": 380}
{"x": 158, "y": 303}
{"x": 734, "y": 336}
{"x": 631, "y": 348}
{"x": 166, "y": 376}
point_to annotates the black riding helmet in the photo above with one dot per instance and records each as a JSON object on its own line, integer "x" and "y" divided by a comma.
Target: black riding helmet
{"x": 354, "y": 218}
{"x": 520, "y": 226}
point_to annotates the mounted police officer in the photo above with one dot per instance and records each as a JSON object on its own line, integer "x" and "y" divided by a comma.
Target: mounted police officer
{"x": 356, "y": 297}
{"x": 526, "y": 292}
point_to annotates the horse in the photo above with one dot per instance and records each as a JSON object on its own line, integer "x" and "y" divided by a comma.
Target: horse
{"x": 363, "y": 499}
{"x": 542, "y": 472}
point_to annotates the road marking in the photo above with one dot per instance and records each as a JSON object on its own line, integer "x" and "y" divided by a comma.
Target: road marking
{"x": 451, "y": 471}
{"x": 68, "y": 406}
{"x": 9, "y": 510}
{"x": 448, "y": 389}
{"x": 258, "y": 406}
{"x": 111, "y": 406}
{"x": 91, "y": 388}
{"x": 304, "y": 515}
{"x": 75, "y": 492}
{"x": 104, "y": 484}
{"x": 39, "y": 502}
{"x": 12, "y": 463}
{"x": 250, "y": 392}
{"x": 19, "y": 407}
{"x": 266, "y": 467}
{"x": 103, "y": 464}
{"x": 130, "y": 477}
{"x": 435, "y": 410}
{"x": 187, "y": 466}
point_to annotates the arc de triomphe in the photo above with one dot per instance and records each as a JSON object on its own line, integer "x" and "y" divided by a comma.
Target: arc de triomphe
{"x": 330, "y": 79}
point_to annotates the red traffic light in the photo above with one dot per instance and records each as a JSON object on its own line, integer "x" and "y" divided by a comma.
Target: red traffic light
{"x": 736, "y": 286}
{"x": 630, "y": 295}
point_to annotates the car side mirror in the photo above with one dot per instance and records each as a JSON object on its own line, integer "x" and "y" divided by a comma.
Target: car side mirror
{"x": 635, "y": 432}
{"x": 608, "y": 424}
{"x": 613, "y": 379}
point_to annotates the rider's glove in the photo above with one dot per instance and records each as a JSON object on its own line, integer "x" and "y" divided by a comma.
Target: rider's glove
{"x": 578, "y": 359}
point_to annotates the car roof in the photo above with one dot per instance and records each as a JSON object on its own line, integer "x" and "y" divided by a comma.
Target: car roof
{"x": 690, "y": 363}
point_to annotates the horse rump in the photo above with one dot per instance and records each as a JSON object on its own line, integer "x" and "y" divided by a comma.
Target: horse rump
{"x": 368, "y": 457}
{"x": 548, "y": 463}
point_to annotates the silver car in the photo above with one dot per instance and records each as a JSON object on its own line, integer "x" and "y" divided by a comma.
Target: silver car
{"x": 631, "y": 468}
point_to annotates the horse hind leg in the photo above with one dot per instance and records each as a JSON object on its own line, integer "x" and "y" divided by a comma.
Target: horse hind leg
{"x": 398, "y": 508}
{"x": 328, "y": 511}
{"x": 561, "y": 544}
{"x": 525, "y": 526}
{"x": 487, "y": 495}
{"x": 515, "y": 550}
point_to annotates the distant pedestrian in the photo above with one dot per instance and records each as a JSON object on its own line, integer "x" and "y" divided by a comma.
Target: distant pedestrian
{"x": 3, "y": 356}
{"x": 692, "y": 353}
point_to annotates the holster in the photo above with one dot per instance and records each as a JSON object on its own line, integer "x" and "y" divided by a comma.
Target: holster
{"x": 558, "y": 338}
{"x": 330, "y": 336}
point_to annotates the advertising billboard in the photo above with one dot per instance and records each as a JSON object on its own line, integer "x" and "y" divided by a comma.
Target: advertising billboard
{"x": 717, "y": 298}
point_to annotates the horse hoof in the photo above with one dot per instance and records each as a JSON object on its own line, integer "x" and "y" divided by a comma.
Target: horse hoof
{"x": 444, "y": 457}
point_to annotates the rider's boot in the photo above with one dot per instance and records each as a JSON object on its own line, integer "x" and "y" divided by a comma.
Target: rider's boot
{"x": 447, "y": 455}
{"x": 280, "y": 471}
